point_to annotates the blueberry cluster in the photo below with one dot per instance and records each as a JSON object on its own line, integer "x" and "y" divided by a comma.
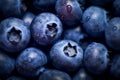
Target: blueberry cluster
{"x": 59, "y": 39}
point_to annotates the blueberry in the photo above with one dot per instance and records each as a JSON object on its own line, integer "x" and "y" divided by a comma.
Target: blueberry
{"x": 102, "y": 3}
{"x": 54, "y": 75}
{"x": 7, "y": 65}
{"x": 15, "y": 78}
{"x": 115, "y": 67}
{"x": 116, "y": 8}
{"x": 11, "y": 8}
{"x": 66, "y": 55}
{"x": 94, "y": 21}
{"x": 74, "y": 34}
{"x": 44, "y": 5}
{"x": 14, "y": 35}
{"x": 30, "y": 62}
{"x": 69, "y": 11}
{"x": 112, "y": 33}
{"x": 82, "y": 75}
{"x": 28, "y": 18}
{"x": 46, "y": 28}
{"x": 96, "y": 58}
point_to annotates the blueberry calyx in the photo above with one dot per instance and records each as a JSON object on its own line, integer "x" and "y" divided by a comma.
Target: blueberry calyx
{"x": 14, "y": 36}
{"x": 70, "y": 50}
{"x": 51, "y": 30}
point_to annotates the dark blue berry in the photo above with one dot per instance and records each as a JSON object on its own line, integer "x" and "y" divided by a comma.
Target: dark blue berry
{"x": 14, "y": 35}
{"x": 94, "y": 21}
{"x": 112, "y": 33}
{"x": 46, "y": 28}
{"x": 7, "y": 65}
{"x": 30, "y": 62}
{"x": 11, "y": 8}
{"x": 69, "y": 11}
{"x": 66, "y": 55}
{"x": 96, "y": 58}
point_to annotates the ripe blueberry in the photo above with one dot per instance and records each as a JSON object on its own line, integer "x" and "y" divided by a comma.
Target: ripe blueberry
{"x": 66, "y": 55}
{"x": 112, "y": 33}
{"x": 30, "y": 62}
{"x": 94, "y": 21}
{"x": 69, "y": 11}
{"x": 46, "y": 28}
{"x": 14, "y": 35}
{"x": 96, "y": 58}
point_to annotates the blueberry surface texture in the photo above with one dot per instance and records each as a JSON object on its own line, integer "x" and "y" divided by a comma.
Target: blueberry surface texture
{"x": 30, "y": 62}
{"x": 66, "y": 55}
{"x": 14, "y": 35}
{"x": 69, "y": 11}
{"x": 96, "y": 58}
{"x": 94, "y": 21}
{"x": 7, "y": 65}
{"x": 82, "y": 75}
{"x": 112, "y": 33}
{"x": 54, "y": 75}
{"x": 46, "y": 28}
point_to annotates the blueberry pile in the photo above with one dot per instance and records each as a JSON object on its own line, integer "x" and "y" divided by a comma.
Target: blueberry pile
{"x": 59, "y": 39}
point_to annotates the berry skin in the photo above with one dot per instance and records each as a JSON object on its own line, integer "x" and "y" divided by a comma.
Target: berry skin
{"x": 94, "y": 21}
{"x": 96, "y": 58}
{"x": 82, "y": 75}
{"x": 112, "y": 33}
{"x": 46, "y": 28}
{"x": 28, "y": 18}
{"x": 11, "y": 8}
{"x": 30, "y": 62}
{"x": 115, "y": 67}
{"x": 7, "y": 65}
{"x": 69, "y": 11}
{"x": 54, "y": 75}
{"x": 66, "y": 55}
{"x": 14, "y": 35}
